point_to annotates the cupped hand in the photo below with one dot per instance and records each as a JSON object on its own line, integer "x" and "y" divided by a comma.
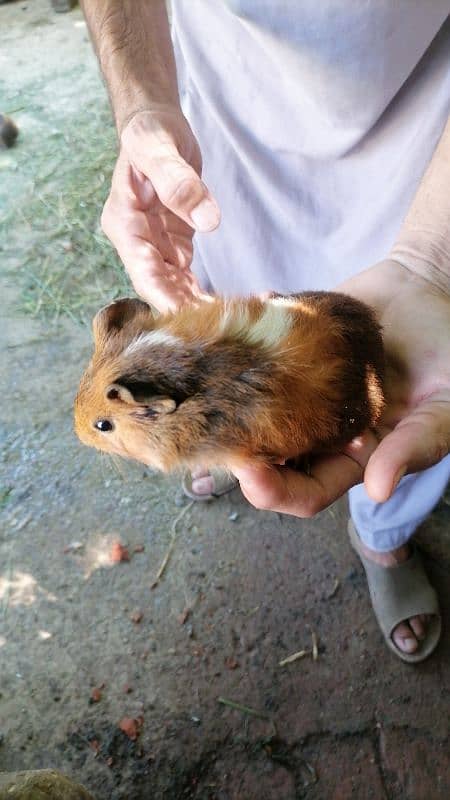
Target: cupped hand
{"x": 157, "y": 201}
{"x": 414, "y": 432}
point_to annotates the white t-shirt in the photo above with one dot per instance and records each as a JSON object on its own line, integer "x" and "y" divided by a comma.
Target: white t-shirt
{"x": 316, "y": 120}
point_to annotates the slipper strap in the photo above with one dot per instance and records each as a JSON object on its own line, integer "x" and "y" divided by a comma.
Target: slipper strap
{"x": 399, "y": 592}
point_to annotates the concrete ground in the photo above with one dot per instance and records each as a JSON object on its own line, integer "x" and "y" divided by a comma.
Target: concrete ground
{"x": 193, "y": 664}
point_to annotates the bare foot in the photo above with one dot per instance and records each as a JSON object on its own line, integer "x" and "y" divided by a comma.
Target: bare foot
{"x": 202, "y": 481}
{"x": 409, "y": 633}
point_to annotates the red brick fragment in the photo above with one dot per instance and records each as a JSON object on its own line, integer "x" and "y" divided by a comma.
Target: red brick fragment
{"x": 184, "y": 616}
{"x": 96, "y": 695}
{"x": 131, "y": 727}
{"x": 119, "y": 553}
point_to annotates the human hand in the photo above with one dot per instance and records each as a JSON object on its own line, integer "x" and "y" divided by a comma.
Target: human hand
{"x": 157, "y": 199}
{"x": 415, "y": 429}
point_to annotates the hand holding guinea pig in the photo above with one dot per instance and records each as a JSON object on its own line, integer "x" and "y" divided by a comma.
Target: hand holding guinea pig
{"x": 231, "y": 381}
{"x": 415, "y": 427}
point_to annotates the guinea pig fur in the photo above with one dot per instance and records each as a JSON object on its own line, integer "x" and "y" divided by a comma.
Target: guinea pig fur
{"x": 226, "y": 381}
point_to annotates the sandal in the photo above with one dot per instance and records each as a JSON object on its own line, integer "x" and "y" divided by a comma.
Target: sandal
{"x": 224, "y": 482}
{"x": 398, "y": 593}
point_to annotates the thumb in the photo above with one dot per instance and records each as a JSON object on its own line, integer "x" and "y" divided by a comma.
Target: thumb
{"x": 261, "y": 483}
{"x": 419, "y": 441}
{"x": 181, "y": 190}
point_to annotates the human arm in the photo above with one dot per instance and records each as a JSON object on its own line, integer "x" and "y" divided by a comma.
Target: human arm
{"x": 157, "y": 197}
{"x": 410, "y": 292}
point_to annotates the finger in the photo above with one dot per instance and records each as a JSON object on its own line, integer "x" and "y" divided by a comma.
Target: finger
{"x": 303, "y": 495}
{"x": 175, "y": 248}
{"x": 419, "y": 441}
{"x": 161, "y": 171}
{"x": 288, "y": 492}
{"x": 165, "y": 296}
{"x": 178, "y": 187}
{"x": 155, "y": 280}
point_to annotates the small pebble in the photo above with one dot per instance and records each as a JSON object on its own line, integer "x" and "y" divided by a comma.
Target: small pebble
{"x": 233, "y": 516}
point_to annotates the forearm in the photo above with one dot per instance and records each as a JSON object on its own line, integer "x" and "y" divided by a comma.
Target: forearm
{"x": 134, "y": 48}
{"x": 423, "y": 244}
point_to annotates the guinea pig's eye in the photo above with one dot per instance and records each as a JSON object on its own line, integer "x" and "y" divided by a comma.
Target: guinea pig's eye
{"x": 103, "y": 425}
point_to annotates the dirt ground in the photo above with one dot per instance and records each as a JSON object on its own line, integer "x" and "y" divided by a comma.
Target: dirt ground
{"x": 242, "y": 590}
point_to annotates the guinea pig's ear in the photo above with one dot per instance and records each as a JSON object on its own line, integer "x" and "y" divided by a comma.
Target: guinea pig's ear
{"x": 161, "y": 405}
{"x": 155, "y": 403}
{"x": 118, "y": 392}
{"x": 112, "y": 318}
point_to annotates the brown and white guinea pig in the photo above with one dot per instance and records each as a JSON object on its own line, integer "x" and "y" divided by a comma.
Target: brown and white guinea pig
{"x": 230, "y": 380}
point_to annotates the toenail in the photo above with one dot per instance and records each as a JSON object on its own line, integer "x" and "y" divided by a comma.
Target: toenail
{"x": 409, "y": 644}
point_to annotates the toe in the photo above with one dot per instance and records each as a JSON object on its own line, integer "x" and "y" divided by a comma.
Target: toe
{"x": 199, "y": 472}
{"x": 204, "y": 485}
{"x": 404, "y": 638}
{"x": 418, "y": 626}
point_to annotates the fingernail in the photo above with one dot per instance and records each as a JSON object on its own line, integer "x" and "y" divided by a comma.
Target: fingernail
{"x": 205, "y": 216}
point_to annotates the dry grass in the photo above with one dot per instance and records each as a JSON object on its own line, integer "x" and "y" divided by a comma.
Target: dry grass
{"x": 55, "y": 183}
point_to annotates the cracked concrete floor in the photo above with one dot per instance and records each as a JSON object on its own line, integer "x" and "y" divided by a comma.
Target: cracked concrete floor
{"x": 242, "y": 591}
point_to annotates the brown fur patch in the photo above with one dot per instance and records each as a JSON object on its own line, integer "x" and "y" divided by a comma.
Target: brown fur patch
{"x": 240, "y": 391}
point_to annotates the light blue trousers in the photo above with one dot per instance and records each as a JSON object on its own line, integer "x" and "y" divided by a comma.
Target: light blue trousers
{"x": 385, "y": 526}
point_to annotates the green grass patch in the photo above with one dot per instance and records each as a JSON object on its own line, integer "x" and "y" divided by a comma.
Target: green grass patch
{"x": 5, "y": 494}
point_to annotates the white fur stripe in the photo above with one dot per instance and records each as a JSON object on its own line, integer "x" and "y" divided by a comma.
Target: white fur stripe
{"x": 234, "y": 320}
{"x": 152, "y": 338}
{"x": 273, "y": 325}
{"x": 296, "y": 303}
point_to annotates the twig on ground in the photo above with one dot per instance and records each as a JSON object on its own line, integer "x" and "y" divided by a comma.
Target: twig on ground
{"x": 244, "y": 709}
{"x": 312, "y": 772}
{"x": 315, "y": 648}
{"x": 336, "y": 586}
{"x": 5, "y": 601}
{"x": 23, "y": 523}
{"x": 294, "y": 657}
{"x": 170, "y": 549}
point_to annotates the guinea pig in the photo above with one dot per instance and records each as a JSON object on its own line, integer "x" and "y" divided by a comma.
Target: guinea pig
{"x": 226, "y": 381}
